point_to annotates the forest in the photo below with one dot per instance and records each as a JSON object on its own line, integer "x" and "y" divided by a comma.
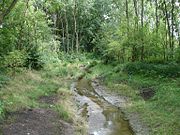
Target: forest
{"x": 124, "y": 51}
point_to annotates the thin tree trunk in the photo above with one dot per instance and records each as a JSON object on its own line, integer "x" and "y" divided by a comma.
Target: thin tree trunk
{"x": 5, "y": 13}
{"x": 63, "y": 34}
{"x": 136, "y": 13}
{"x": 157, "y": 18}
{"x": 167, "y": 57}
{"x": 127, "y": 16}
{"x": 168, "y": 24}
{"x": 134, "y": 55}
{"x": 172, "y": 28}
{"x": 75, "y": 26}
{"x": 67, "y": 32}
{"x": 72, "y": 43}
{"x": 142, "y": 27}
{"x": 178, "y": 33}
{"x": 127, "y": 19}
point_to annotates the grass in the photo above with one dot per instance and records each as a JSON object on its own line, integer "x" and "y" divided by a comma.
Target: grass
{"x": 24, "y": 89}
{"x": 161, "y": 112}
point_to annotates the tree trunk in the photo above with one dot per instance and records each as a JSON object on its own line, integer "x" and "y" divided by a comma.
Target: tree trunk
{"x": 127, "y": 16}
{"x": 168, "y": 24}
{"x": 178, "y": 34}
{"x": 142, "y": 27}
{"x": 166, "y": 47}
{"x": 75, "y": 26}
{"x": 136, "y": 14}
{"x": 172, "y": 28}
{"x": 5, "y": 13}
{"x": 127, "y": 33}
{"x": 157, "y": 18}
{"x": 63, "y": 34}
{"x": 67, "y": 32}
{"x": 134, "y": 55}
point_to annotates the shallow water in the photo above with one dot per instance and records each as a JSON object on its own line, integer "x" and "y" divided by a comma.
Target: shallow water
{"x": 103, "y": 118}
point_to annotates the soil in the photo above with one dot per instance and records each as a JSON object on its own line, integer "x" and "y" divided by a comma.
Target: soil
{"x": 147, "y": 93}
{"x": 49, "y": 99}
{"x": 39, "y": 121}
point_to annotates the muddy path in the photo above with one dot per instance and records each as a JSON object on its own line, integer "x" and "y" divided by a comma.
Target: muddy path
{"x": 41, "y": 121}
{"x": 121, "y": 102}
{"x": 103, "y": 117}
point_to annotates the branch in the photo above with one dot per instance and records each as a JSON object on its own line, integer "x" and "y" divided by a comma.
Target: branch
{"x": 3, "y": 15}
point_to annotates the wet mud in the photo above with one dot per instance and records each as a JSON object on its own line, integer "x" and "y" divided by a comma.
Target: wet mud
{"x": 103, "y": 118}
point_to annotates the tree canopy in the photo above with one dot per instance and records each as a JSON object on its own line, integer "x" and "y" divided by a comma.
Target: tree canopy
{"x": 126, "y": 30}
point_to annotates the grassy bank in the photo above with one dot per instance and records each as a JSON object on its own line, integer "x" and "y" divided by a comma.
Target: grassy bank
{"x": 24, "y": 89}
{"x": 154, "y": 97}
{"x": 154, "y": 93}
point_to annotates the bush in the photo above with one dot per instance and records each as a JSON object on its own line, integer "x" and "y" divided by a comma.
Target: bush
{"x": 149, "y": 69}
{"x": 15, "y": 59}
{"x": 34, "y": 60}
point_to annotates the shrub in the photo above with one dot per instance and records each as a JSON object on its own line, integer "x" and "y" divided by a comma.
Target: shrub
{"x": 34, "y": 60}
{"x": 149, "y": 69}
{"x": 15, "y": 59}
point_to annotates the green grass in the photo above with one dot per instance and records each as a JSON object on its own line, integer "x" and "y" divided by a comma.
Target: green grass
{"x": 63, "y": 113}
{"x": 161, "y": 112}
{"x": 23, "y": 89}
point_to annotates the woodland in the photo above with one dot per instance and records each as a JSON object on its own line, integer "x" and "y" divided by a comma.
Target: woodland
{"x": 133, "y": 46}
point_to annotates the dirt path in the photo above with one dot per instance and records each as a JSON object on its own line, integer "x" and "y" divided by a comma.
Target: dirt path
{"x": 37, "y": 122}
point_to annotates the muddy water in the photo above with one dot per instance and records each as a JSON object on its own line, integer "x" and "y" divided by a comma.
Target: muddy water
{"x": 103, "y": 118}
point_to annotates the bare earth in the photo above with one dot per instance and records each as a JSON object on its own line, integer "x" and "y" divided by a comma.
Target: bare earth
{"x": 36, "y": 122}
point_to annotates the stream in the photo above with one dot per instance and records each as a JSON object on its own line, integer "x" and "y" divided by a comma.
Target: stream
{"x": 103, "y": 118}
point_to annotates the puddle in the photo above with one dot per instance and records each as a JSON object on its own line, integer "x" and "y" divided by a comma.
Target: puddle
{"x": 103, "y": 118}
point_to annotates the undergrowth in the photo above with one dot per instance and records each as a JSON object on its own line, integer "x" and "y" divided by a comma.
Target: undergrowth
{"x": 24, "y": 89}
{"x": 161, "y": 111}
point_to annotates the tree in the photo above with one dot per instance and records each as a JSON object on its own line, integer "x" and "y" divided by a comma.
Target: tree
{"x": 4, "y": 11}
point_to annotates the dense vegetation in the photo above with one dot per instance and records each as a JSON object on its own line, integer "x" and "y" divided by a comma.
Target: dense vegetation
{"x": 136, "y": 44}
{"x": 116, "y": 30}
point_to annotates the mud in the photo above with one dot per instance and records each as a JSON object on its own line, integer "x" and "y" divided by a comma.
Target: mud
{"x": 36, "y": 121}
{"x": 103, "y": 118}
{"x": 147, "y": 93}
{"x": 49, "y": 99}
{"x": 138, "y": 127}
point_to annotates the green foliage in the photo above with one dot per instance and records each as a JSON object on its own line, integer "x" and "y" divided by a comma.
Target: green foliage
{"x": 1, "y": 110}
{"x": 3, "y": 79}
{"x": 163, "y": 107}
{"x": 34, "y": 60}
{"x": 178, "y": 55}
{"x": 15, "y": 59}
{"x": 164, "y": 70}
{"x": 25, "y": 29}
{"x": 62, "y": 112}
